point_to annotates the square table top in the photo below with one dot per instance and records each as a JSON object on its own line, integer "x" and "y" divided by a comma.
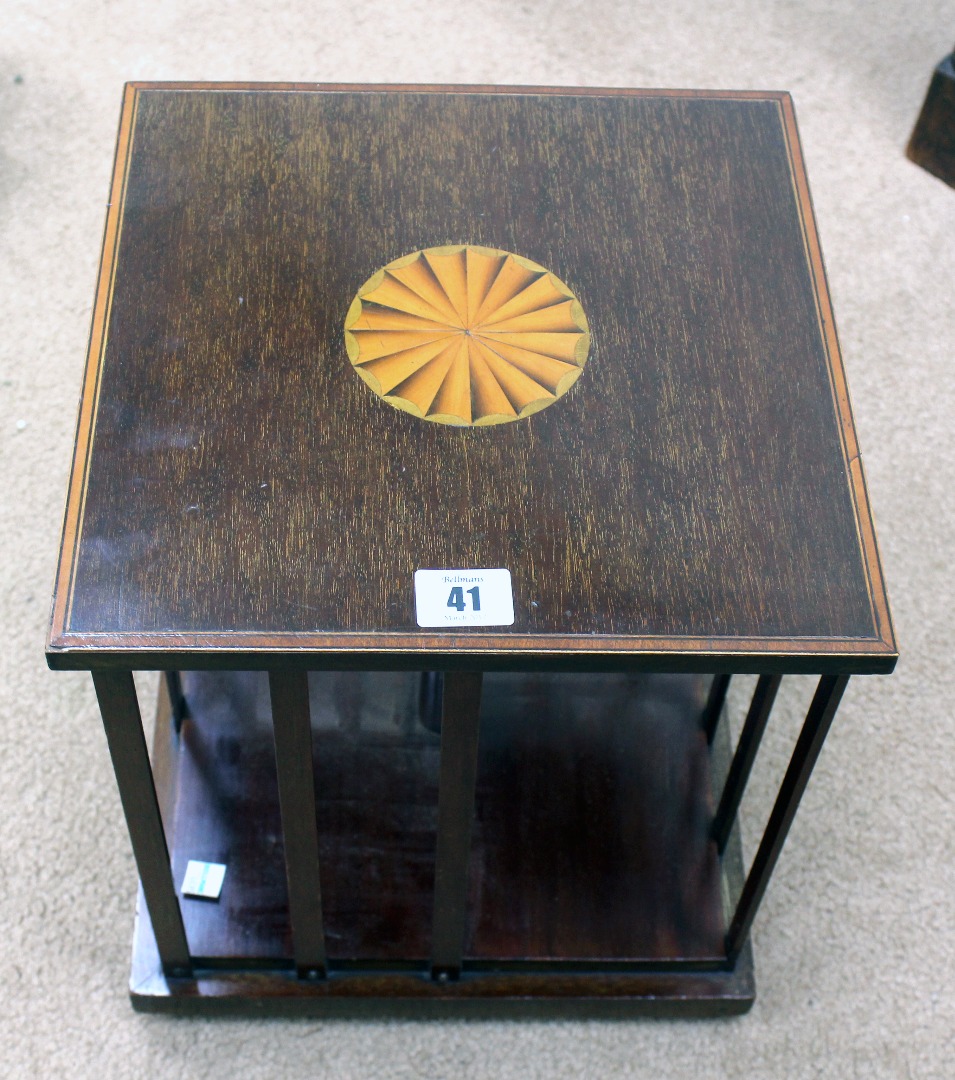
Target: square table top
{"x": 249, "y": 487}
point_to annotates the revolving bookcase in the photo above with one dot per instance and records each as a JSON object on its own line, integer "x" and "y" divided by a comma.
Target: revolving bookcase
{"x": 577, "y": 340}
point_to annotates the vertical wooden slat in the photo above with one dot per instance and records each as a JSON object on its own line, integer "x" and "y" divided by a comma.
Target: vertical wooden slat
{"x": 460, "y": 725}
{"x": 818, "y": 721}
{"x": 714, "y": 705}
{"x": 119, "y": 706}
{"x": 296, "y": 782}
{"x": 177, "y": 700}
{"x": 746, "y": 749}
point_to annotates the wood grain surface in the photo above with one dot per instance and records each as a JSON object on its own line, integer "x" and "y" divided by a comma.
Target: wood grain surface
{"x": 591, "y": 831}
{"x": 236, "y": 486}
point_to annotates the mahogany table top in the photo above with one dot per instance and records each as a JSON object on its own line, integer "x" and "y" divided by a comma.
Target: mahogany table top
{"x": 261, "y": 466}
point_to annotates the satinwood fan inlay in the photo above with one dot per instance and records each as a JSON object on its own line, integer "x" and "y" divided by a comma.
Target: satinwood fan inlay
{"x": 467, "y": 335}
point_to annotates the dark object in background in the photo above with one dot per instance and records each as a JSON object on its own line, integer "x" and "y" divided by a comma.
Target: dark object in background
{"x": 933, "y": 141}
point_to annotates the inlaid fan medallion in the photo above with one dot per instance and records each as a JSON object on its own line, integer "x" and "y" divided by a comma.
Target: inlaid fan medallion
{"x": 467, "y": 335}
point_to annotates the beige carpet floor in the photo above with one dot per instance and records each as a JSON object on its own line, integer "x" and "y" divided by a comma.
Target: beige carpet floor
{"x": 855, "y": 944}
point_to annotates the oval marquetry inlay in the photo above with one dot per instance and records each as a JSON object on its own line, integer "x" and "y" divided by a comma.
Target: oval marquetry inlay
{"x": 467, "y": 335}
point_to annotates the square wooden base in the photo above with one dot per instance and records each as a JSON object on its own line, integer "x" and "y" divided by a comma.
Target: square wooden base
{"x": 592, "y": 875}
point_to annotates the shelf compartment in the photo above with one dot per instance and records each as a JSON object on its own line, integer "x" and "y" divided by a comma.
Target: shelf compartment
{"x": 591, "y": 867}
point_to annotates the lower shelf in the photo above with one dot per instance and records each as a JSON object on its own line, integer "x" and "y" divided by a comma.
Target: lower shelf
{"x": 592, "y": 875}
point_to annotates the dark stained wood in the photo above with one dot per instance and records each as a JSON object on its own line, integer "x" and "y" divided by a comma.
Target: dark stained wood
{"x": 696, "y": 503}
{"x": 932, "y": 144}
{"x": 714, "y": 705}
{"x": 594, "y": 654}
{"x": 590, "y": 834}
{"x": 116, "y": 693}
{"x": 177, "y": 702}
{"x": 698, "y": 491}
{"x": 680, "y": 992}
{"x": 292, "y": 732}
{"x": 460, "y": 727}
{"x": 376, "y": 777}
{"x": 808, "y": 747}
{"x": 430, "y": 697}
{"x": 750, "y": 737}
{"x": 222, "y": 782}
